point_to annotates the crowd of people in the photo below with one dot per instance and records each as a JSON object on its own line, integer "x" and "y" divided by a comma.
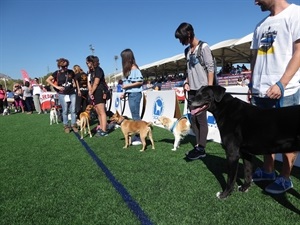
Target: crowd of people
{"x": 22, "y": 98}
{"x": 76, "y": 89}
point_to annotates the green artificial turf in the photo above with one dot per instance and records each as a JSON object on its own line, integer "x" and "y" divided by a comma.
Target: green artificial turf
{"x": 49, "y": 177}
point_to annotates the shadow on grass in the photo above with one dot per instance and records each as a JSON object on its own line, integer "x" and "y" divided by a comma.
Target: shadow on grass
{"x": 217, "y": 166}
{"x": 186, "y": 140}
{"x": 280, "y": 198}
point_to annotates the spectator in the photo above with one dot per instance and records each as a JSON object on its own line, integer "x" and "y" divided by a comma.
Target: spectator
{"x": 27, "y": 97}
{"x": 82, "y": 94}
{"x": 119, "y": 86}
{"x": 149, "y": 85}
{"x": 197, "y": 77}
{"x": 275, "y": 77}
{"x": 244, "y": 68}
{"x": 37, "y": 89}
{"x": 97, "y": 89}
{"x": 62, "y": 80}
{"x": 18, "y": 98}
{"x": 2, "y": 98}
{"x": 239, "y": 81}
{"x": 133, "y": 86}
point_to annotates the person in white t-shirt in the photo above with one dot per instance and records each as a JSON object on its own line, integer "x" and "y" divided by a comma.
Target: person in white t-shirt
{"x": 36, "y": 92}
{"x": 275, "y": 76}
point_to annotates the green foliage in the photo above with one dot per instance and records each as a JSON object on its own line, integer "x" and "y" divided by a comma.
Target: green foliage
{"x": 10, "y": 82}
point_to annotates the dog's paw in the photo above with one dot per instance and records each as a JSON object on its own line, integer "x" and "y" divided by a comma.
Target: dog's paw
{"x": 173, "y": 149}
{"x": 243, "y": 189}
{"x": 220, "y": 195}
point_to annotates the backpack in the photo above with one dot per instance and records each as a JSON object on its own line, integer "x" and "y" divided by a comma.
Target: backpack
{"x": 201, "y": 61}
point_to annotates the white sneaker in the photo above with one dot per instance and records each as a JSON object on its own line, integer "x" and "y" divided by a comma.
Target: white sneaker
{"x": 136, "y": 140}
{"x": 136, "y": 143}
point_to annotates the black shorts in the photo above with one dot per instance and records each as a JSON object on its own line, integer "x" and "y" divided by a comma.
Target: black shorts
{"x": 98, "y": 97}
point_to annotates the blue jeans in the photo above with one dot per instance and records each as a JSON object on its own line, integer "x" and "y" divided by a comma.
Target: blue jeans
{"x": 68, "y": 105}
{"x": 134, "y": 100}
{"x": 271, "y": 103}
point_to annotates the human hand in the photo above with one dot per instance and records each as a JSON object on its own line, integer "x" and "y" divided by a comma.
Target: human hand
{"x": 186, "y": 87}
{"x": 274, "y": 92}
{"x": 249, "y": 95}
{"x": 61, "y": 88}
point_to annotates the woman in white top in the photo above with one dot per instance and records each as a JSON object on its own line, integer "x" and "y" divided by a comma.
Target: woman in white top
{"x": 36, "y": 92}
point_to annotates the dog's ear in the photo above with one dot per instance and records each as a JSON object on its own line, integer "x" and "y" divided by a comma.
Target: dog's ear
{"x": 117, "y": 112}
{"x": 219, "y": 92}
{"x": 164, "y": 120}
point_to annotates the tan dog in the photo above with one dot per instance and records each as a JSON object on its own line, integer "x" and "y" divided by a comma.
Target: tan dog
{"x": 130, "y": 127}
{"x": 84, "y": 121}
{"x": 179, "y": 127}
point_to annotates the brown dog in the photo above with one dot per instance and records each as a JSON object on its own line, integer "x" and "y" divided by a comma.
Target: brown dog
{"x": 84, "y": 121}
{"x": 130, "y": 127}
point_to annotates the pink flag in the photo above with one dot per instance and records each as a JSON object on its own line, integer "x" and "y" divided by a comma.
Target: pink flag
{"x": 25, "y": 76}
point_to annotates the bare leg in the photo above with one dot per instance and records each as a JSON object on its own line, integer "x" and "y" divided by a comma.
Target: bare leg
{"x": 269, "y": 163}
{"x": 288, "y": 162}
{"x": 102, "y": 116}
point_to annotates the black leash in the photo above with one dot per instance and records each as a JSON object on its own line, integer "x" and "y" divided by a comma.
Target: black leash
{"x": 231, "y": 93}
{"x": 238, "y": 93}
{"x": 124, "y": 99}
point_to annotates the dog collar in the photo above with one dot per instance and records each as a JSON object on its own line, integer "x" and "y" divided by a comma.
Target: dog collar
{"x": 121, "y": 121}
{"x": 188, "y": 116}
{"x": 173, "y": 126}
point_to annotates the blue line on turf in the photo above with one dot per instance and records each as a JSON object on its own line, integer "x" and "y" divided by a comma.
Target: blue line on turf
{"x": 133, "y": 205}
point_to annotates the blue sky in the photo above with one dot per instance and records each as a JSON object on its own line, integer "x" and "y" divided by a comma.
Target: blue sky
{"x": 34, "y": 33}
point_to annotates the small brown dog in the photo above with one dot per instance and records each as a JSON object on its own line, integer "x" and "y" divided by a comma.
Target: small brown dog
{"x": 130, "y": 127}
{"x": 84, "y": 121}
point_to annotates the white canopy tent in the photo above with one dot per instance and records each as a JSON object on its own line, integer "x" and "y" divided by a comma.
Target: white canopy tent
{"x": 228, "y": 51}
{"x": 233, "y": 50}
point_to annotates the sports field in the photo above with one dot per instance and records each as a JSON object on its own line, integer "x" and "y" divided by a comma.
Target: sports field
{"x": 49, "y": 177}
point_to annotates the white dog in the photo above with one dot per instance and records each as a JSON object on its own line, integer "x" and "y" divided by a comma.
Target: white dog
{"x": 179, "y": 127}
{"x": 6, "y": 111}
{"x": 53, "y": 116}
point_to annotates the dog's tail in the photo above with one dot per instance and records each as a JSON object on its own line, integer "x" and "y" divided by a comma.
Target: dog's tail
{"x": 150, "y": 124}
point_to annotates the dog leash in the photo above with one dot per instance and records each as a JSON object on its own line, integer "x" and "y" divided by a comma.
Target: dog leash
{"x": 280, "y": 102}
{"x": 124, "y": 99}
{"x": 231, "y": 93}
{"x": 239, "y": 93}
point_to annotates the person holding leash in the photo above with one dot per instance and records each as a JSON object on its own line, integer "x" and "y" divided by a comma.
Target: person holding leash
{"x": 275, "y": 76}
{"x": 82, "y": 94}
{"x": 97, "y": 88}
{"x": 133, "y": 87}
{"x": 198, "y": 76}
{"x": 62, "y": 80}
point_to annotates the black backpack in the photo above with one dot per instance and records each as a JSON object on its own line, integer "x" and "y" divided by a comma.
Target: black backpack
{"x": 202, "y": 63}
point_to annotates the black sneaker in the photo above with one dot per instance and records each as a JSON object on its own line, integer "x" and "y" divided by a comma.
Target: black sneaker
{"x": 196, "y": 153}
{"x": 101, "y": 133}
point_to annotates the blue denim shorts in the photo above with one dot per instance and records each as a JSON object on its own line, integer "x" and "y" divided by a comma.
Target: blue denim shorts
{"x": 272, "y": 103}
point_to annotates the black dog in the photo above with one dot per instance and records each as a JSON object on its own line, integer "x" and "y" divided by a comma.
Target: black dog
{"x": 247, "y": 130}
